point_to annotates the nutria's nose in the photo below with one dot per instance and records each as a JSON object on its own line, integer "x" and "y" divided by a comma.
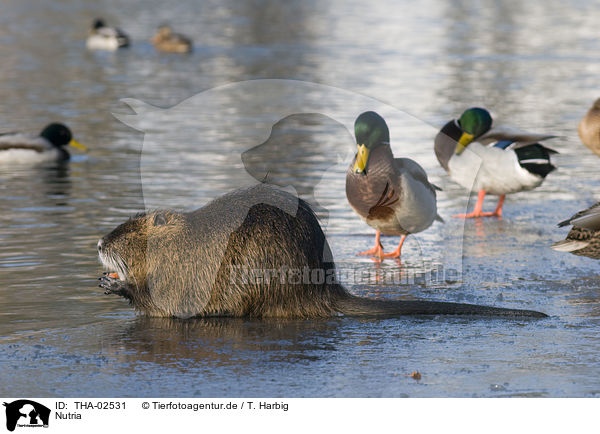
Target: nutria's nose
{"x": 100, "y": 245}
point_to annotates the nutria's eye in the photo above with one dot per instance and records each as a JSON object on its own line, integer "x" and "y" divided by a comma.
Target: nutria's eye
{"x": 159, "y": 220}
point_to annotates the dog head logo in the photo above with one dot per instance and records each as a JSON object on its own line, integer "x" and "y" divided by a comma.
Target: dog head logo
{"x": 26, "y": 413}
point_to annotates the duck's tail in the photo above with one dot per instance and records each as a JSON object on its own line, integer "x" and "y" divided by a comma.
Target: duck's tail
{"x": 535, "y": 158}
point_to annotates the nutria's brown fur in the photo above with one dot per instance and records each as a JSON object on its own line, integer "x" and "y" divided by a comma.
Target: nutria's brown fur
{"x": 196, "y": 264}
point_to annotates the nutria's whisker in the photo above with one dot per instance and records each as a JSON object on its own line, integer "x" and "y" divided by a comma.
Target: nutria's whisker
{"x": 114, "y": 263}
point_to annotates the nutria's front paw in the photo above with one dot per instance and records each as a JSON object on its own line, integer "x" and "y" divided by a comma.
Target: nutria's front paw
{"x": 112, "y": 285}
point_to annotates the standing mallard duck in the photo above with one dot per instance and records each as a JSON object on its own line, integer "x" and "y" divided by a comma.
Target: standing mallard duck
{"x": 584, "y": 237}
{"x": 501, "y": 161}
{"x": 102, "y": 37}
{"x": 48, "y": 146}
{"x": 168, "y": 41}
{"x": 589, "y": 128}
{"x": 392, "y": 195}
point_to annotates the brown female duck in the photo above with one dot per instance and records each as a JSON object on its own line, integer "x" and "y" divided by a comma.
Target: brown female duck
{"x": 584, "y": 237}
{"x": 589, "y": 128}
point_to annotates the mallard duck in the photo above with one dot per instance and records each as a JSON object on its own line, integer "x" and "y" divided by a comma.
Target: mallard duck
{"x": 168, "y": 41}
{"x": 48, "y": 146}
{"x": 589, "y": 128}
{"x": 102, "y": 37}
{"x": 392, "y": 195}
{"x": 584, "y": 237}
{"x": 500, "y": 161}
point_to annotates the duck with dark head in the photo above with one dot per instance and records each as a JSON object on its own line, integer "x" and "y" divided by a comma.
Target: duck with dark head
{"x": 497, "y": 161}
{"x": 392, "y": 195}
{"x": 49, "y": 145}
{"x": 103, "y": 37}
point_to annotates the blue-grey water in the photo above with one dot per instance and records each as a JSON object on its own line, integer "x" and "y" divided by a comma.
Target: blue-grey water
{"x": 534, "y": 64}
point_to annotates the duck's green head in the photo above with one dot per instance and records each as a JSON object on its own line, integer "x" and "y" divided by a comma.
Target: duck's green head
{"x": 473, "y": 122}
{"x": 60, "y": 135}
{"x": 370, "y": 131}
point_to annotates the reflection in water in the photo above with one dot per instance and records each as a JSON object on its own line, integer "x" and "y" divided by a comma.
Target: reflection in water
{"x": 222, "y": 341}
{"x": 43, "y": 182}
{"x": 480, "y": 74}
{"x": 275, "y": 39}
{"x": 269, "y": 22}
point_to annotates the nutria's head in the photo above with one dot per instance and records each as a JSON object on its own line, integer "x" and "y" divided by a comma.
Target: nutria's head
{"x": 128, "y": 249}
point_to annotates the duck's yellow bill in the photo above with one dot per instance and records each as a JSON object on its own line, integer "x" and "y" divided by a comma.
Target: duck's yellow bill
{"x": 362, "y": 156}
{"x": 463, "y": 142}
{"x": 77, "y": 145}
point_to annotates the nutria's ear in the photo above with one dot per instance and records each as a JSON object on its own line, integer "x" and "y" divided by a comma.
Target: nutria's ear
{"x": 160, "y": 220}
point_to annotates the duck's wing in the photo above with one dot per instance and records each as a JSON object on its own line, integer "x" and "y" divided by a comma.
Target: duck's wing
{"x": 406, "y": 166}
{"x": 586, "y": 219}
{"x": 23, "y": 141}
{"x": 179, "y": 38}
{"x": 510, "y": 138}
{"x": 413, "y": 169}
{"x": 122, "y": 37}
{"x": 375, "y": 196}
{"x": 533, "y": 156}
{"x": 112, "y": 32}
{"x": 570, "y": 245}
{"x": 6, "y": 147}
{"x": 107, "y": 32}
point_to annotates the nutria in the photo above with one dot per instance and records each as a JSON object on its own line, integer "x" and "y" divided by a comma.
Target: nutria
{"x": 243, "y": 254}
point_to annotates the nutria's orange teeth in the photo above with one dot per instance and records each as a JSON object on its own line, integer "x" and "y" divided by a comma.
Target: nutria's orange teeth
{"x": 113, "y": 275}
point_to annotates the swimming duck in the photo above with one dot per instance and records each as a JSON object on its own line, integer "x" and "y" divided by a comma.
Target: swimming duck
{"x": 500, "y": 161}
{"x": 168, "y": 41}
{"x": 48, "y": 146}
{"x": 392, "y": 195}
{"x": 584, "y": 237}
{"x": 589, "y": 128}
{"x": 102, "y": 37}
